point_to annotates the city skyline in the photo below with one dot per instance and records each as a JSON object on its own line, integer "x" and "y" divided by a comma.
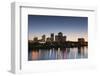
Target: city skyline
{"x": 72, "y": 27}
{"x": 52, "y": 37}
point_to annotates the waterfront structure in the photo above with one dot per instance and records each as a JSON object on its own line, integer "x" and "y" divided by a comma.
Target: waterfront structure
{"x": 64, "y": 38}
{"x": 56, "y": 38}
{"x": 48, "y": 39}
{"x": 81, "y": 41}
{"x": 59, "y": 42}
{"x": 35, "y": 39}
{"x": 60, "y": 37}
{"x": 60, "y": 34}
{"x": 52, "y": 37}
{"x": 43, "y": 38}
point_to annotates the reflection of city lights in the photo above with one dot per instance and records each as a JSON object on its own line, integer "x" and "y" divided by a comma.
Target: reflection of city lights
{"x": 35, "y": 55}
{"x": 65, "y": 53}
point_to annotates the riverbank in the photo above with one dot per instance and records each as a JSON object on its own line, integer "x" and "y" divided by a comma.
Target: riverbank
{"x": 49, "y": 45}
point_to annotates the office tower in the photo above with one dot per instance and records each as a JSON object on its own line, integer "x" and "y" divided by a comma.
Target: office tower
{"x": 60, "y": 37}
{"x": 60, "y": 34}
{"x": 81, "y": 41}
{"x": 56, "y": 38}
{"x": 52, "y": 37}
{"x": 43, "y": 38}
{"x": 64, "y": 38}
{"x": 35, "y": 39}
{"x": 48, "y": 39}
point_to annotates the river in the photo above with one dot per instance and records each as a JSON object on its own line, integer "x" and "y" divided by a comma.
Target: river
{"x": 54, "y": 54}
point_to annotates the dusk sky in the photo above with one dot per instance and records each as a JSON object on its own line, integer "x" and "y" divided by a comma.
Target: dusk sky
{"x": 72, "y": 27}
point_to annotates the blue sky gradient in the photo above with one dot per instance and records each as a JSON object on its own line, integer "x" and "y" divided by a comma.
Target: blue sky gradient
{"x": 72, "y": 27}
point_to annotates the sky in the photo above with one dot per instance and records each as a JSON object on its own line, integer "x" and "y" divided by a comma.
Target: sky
{"x": 71, "y": 26}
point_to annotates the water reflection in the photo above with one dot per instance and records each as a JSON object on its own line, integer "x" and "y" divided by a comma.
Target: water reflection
{"x": 53, "y": 54}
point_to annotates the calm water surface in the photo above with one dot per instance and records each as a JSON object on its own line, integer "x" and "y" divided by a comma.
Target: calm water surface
{"x": 53, "y": 54}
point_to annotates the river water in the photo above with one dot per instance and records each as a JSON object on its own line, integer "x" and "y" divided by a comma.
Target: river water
{"x": 54, "y": 54}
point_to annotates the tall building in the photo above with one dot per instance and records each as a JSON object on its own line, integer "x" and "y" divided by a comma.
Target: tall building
{"x": 35, "y": 39}
{"x": 56, "y": 38}
{"x": 81, "y": 41}
{"x": 52, "y": 37}
{"x": 48, "y": 39}
{"x": 43, "y": 38}
{"x": 60, "y": 37}
{"x": 60, "y": 34}
{"x": 64, "y": 38}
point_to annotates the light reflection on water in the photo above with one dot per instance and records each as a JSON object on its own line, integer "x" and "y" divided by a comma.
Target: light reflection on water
{"x": 53, "y": 54}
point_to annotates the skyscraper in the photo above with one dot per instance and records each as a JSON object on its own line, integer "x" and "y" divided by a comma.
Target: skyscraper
{"x": 48, "y": 39}
{"x": 64, "y": 38}
{"x": 52, "y": 37}
{"x": 43, "y": 38}
{"x": 81, "y": 41}
{"x": 35, "y": 39}
{"x": 60, "y": 34}
{"x": 60, "y": 37}
{"x": 56, "y": 38}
